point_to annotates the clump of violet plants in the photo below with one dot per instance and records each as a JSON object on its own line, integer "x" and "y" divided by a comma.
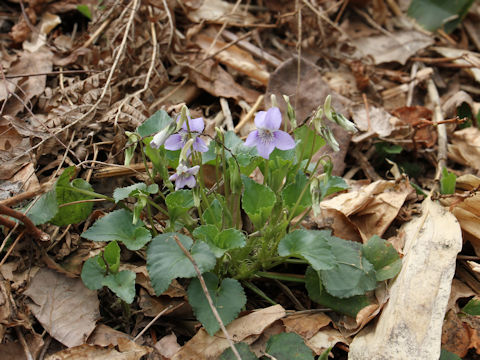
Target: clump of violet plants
{"x": 238, "y": 229}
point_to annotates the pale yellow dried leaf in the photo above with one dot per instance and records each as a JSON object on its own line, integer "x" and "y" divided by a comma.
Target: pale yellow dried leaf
{"x": 167, "y": 346}
{"x": 306, "y": 325}
{"x": 410, "y": 324}
{"x": 465, "y": 147}
{"x": 324, "y": 339}
{"x": 370, "y": 209}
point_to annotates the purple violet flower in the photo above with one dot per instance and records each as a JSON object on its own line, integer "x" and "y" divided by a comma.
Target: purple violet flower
{"x": 177, "y": 141}
{"x": 267, "y": 136}
{"x": 184, "y": 176}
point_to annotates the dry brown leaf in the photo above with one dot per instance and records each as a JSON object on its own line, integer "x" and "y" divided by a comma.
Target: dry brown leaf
{"x": 210, "y": 77}
{"x": 409, "y": 326}
{"x": 205, "y": 347}
{"x": 219, "y": 11}
{"x": 29, "y": 63}
{"x": 467, "y": 210}
{"x": 104, "y": 336}
{"x": 378, "y": 122}
{"x": 465, "y": 147}
{"x": 368, "y": 210}
{"x": 412, "y": 116}
{"x": 324, "y": 339}
{"x": 153, "y": 305}
{"x": 306, "y": 325}
{"x": 234, "y": 57}
{"x": 64, "y": 306}
{"x": 167, "y": 346}
{"x": 259, "y": 343}
{"x": 398, "y": 46}
{"x": 466, "y": 58}
{"x": 93, "y": 352}
{"x": 455, "y": 336}
{"x": 16, "y": 351}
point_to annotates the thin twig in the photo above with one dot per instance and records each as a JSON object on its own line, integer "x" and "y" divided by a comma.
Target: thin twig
{"x": 441, "y": 128}
{"x": 155, "y": 319}
{"x": 207, "y": 294}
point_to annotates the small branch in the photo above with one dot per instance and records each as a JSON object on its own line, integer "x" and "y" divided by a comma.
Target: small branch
{"x": 441, "y": 127}
{"x": 209, "y": 298}
{"x": 29, "y": 225}
{"x": 155, "y": 319}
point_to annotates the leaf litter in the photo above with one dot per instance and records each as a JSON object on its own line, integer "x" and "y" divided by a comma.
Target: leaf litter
{"x": 71, "y": 88}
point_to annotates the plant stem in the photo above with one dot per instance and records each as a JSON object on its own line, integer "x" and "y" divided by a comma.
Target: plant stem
{"x": 278, "y": 276}
{"x": 150, "y": 219}
{"x": 259, "y": 292}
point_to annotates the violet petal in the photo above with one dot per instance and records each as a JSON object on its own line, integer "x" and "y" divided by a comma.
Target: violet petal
{"x": 174, "y": 142}
{"x": 265, "y": 149}
{"x": 196, "y": 125}
{"x": 193, "y": 170}
{"x": 273, "y": 119}
{"x": 260, "y": 119}
{"x": 283, "y": 141}
{"x": 199, "y": 145}
{"x": 252, "y": 138}
{"x": 190, "y": 181}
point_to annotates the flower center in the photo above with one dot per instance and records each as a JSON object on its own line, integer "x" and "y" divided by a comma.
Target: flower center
{"x": 265, "y": 135}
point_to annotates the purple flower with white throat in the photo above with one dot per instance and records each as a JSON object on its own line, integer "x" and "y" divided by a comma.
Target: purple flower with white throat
{"x": 184, "y": 176}
{"x": 268, "y": 136}
{"x": 191, "y": 127}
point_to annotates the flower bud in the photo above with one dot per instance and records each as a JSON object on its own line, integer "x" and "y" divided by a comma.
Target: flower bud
{"x": 184, "y": 114}
{"x": 160, "y": 137}
{"x": 327, "y": 108}
{"x": 185, "y": 151}
{"x": 329, "y": 138}
{"x": 344, "y": 122}
{"x": 290, "y": 113}
{"x": 273, "y": 99}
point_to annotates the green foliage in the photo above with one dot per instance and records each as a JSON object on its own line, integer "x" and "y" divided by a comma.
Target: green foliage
{"x": 134, "y": 190}
{"x": 292, "y": 192}
{"x": 472, "y": 307}
{"x": 310, "y": 142}
{"x": 51, "y": 206}
{"x": 447, "y": 355}
{"x": 383, "y": 256}
{"x": 122, "y": 284}
{"x": 447, "y": 182}
{"x": 111, "y": 254}
{"x": 243, "y": 350}
{"x": 85, "y": 11}
{"x": 316, "y": 291}
{"x": 166, "y": 261}
{"x": 288, "y": 346}
{"x": 154, "y": 123}
{"x": 44, "y": 209}
{"x": 439, "y": 14}
{"x": 102, "y": 270}
{"x": 228, "y": 298}
{"x": 352, "y": 274}
{"x": 257, "y": 201}
{"x": 178, "y": 203}
{"x": 220, "y": 241}
{"x": 93, "y": 273}
{"x": 118, "y": 225}
{"x": 311, "y": 245}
